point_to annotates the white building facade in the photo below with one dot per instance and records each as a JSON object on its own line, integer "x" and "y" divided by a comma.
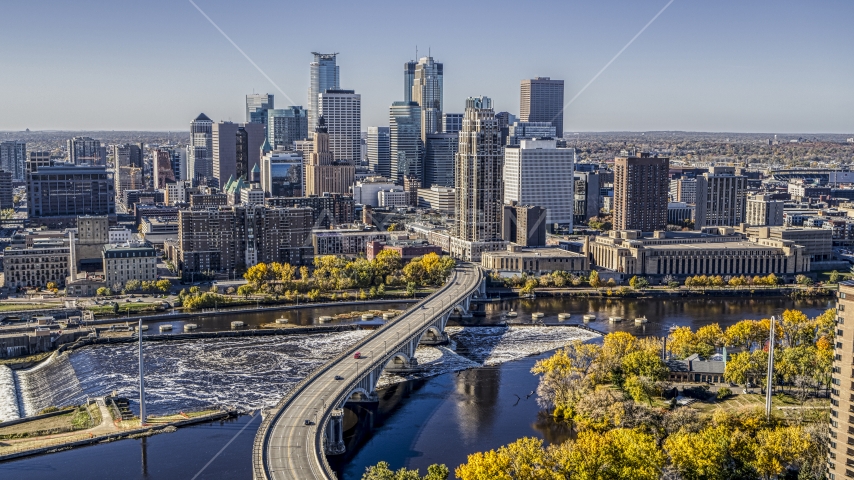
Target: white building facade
{"x": 538, "y": 173}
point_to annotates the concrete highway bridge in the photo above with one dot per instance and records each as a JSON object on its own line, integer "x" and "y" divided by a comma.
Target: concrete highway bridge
{"x": 306, "y": 425}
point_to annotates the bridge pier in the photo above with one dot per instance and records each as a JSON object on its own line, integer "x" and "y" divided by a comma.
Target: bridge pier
{"x": 333, "y": 437}
{"x": 403, "y": 364}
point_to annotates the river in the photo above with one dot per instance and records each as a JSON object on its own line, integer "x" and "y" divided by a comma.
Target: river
{"x": 417, "y": 422}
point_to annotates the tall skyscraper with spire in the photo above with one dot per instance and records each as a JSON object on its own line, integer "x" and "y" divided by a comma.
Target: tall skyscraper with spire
{"x": 323, "y": 174}
{"x": 427, "y": 93}
{"x": 324, "y": 76}
{"x": 479, "y": 164}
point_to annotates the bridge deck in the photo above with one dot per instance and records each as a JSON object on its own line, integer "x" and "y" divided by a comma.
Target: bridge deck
{"x": 287, "y": 448}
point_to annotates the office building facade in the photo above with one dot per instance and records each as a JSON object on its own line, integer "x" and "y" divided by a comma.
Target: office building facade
{"x": 536, "y": 172}
{"x": 324, "y": 173}
{"x": 342, "y": 111}
{"x": 440, "y": 151}
{"x": 379, "y": 151}
{"x": 257, "y": 106}
{"x": 57, "y": 195}
{"x": 427, "y": 86}
{"x": 200, "y": 151}
{"x": 641, "y": 189}
{"x": 285, "y": 126}
{"x": 541, "y": 100}
{"x": 405, "y": 144}
{"x": 236, "y": 149}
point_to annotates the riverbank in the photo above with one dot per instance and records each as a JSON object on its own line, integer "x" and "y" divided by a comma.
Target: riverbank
{"x": 61, "y": 431}
{"x": 790, "y": 291}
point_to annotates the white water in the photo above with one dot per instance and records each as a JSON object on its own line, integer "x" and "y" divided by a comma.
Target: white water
{"x": 8, "y": 395}
{"x": 253, "y": 372}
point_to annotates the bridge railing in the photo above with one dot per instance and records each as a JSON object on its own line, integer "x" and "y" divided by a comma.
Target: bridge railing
{"x": 262, "y": 437}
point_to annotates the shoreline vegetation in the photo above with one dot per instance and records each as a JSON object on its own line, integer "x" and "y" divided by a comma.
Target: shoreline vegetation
{"x": 630, "y": 421}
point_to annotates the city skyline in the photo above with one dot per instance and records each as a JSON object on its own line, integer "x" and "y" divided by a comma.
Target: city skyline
{"x": 722, "y": 67}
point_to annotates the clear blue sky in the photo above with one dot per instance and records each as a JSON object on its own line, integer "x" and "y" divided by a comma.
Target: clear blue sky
{"x": 724, "y": 65}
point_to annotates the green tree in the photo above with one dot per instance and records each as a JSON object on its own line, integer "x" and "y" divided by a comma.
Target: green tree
{"x": 103, "y": 292}
{"x": 163, "y": 285}
{"x": 638, "y": 283}
{"x": 133, "y": 285}
{"x": 834, "y": 277}
{"x": 594, "y": 279}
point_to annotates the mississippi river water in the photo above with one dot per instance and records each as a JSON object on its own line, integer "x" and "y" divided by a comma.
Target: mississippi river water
{"x": 441, "y": 418}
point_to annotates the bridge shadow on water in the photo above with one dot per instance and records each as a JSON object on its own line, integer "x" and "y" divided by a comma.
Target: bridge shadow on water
{"x": 361, "y": 419}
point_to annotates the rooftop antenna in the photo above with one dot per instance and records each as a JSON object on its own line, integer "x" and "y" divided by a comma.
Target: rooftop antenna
{"x": 416, "y": 53}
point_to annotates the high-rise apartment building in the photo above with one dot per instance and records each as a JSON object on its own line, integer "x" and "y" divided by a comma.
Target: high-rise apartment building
{"x": 13, "y": 155}
{"x": 231, "y": 239}
{"x": 236, "y": 149}
{"x": 286, "y": 125}
{"x": 764, "y": 211}
{"x": 57, "y": 195}
{"x": 323, "y": 172}
{"x": 325, "y": 76}
{"x": 342, "y": 111}
{"x": 721, "y": 196}
{"x": 478, "y": 174}
{"x": 840, "y": 463}
{"x": 427, "y": 93}
{"x": 200, "y": 150}
{"x": 257, "y": 106}
{"x": 683, "y": 189}
{"x": 440, "y": 152}
{"x": 641, "y": 187}
{"x": 538, "y": 173}
{"x": 542, "y": 101}
{"x": 85, "y": 151}
{"x": 405, "y": 146}
{"x": 379, "y": 153}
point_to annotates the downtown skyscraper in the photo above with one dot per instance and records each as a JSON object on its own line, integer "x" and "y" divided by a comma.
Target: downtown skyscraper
{"x": 405, "y": 145}
{"x": 541, "y": 100}
{"x": 325, "y": 75}
{"x": 200, "y": 150}
{"x": 478, "y": 174}
{"x": 257, "y": 106}
{"x": 342, "y": 110}
{"x": 427, "y": 86}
